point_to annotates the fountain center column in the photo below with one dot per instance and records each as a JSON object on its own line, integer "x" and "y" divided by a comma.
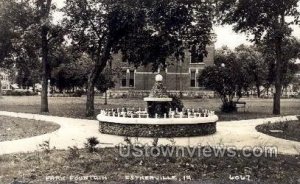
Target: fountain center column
{"x": 158, "y": 101}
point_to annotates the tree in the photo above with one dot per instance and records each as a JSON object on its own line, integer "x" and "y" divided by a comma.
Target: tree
{"x": 254, "y": 65}
{"x": 105, "y": 82}
{"x": 7, "y": 34}
{"x": 18, "y": 46}
{"x": 69, "y": 69}
{"x": 26, "y": 58}
{"x": 291, "y": 51}
{"x": 43, "y": 8}
{"x": 227, "y": 78}
{"x": 143, "y": 31}
{"x": 96, "y": 27}
{"x": 33, "y": 35}
{"x": 265, "y": 20}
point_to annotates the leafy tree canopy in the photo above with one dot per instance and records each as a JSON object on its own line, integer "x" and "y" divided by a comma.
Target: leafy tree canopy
{"x": 259, "y": 17}
{"x": 228, "y": 77}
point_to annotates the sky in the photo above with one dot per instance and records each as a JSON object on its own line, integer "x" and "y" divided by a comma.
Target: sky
{"x": 225, "y": 35}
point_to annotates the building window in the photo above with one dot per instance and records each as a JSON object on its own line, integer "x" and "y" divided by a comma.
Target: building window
{"x": 123, "y": 81}
{"x": 196, "y": 56}
{"x": 193, "y": 78}
{"x": 131, "y": 78}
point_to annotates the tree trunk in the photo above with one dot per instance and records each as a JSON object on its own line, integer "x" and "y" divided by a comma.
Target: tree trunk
{"x": 278, "y": 84}
{"x": 45, "y": 12}
{"x": 46, "y": 68}
{"x": 105, "y": 99}
{"x": 90, "y": 93}
{"x": 101, "y": 62}
{"x": 278, "y": 66}
{"x": 0, "y": 86}
{"x": 277, "y": 95}
{"x": 258, "y": 90}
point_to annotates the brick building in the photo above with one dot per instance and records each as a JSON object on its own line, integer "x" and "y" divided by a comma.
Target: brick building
{"x": 179, "y": 77}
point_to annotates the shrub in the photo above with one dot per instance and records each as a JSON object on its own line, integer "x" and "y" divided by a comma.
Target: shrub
{"x": 128, "y": 141}
{"x": 176, "y": 103}
{"x": 45, "y": 146}
{"x": 78, "y": 93}
{"x": 91, "y": 144}
{"x": 20, "y": 93}
{"x": 155, "y": 142}
{"x": 228, "y": 107}
{"x": 124, "y": 96}
{"x": 73, "y": 153}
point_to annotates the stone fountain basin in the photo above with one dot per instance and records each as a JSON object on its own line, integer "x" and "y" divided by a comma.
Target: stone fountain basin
{"x": 158, "y": 121}
{"x": 157, "y": 127}
{"x": 155, "y": 99}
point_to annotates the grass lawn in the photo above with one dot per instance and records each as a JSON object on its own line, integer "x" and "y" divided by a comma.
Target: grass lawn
{"x": 75, "y": 107}
{"x": 17, "y": 128}
{"x": 287, "y": 130}
{"x": 34, "y": 167}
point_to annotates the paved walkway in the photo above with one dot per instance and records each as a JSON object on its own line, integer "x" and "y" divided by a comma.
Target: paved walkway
{"x": 74, "y": 132}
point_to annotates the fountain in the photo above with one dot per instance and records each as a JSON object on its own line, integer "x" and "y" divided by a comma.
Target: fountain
{"x": 158, "y": 102}
{"x": 158, "y": 119}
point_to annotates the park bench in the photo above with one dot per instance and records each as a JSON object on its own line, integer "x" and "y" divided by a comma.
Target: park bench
{"x": 240, "y": 105}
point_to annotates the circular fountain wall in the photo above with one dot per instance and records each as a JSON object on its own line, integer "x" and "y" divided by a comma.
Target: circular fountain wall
{"x": 158, "y": 119}
{"x": 137, "y": 124}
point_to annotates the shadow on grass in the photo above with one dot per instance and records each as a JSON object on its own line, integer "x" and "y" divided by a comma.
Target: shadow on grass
{"x": 242, "y": 115}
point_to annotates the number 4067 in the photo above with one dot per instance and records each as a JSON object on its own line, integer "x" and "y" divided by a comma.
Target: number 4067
{"x": 240, "y": 177}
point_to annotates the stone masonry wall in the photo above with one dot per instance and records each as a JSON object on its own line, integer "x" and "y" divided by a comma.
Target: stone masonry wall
{"x": 160, "y": 131}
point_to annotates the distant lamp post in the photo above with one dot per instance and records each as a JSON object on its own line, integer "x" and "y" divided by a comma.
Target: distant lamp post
{"x": 49, "y": 87}
{"x": 223, "y": 71}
